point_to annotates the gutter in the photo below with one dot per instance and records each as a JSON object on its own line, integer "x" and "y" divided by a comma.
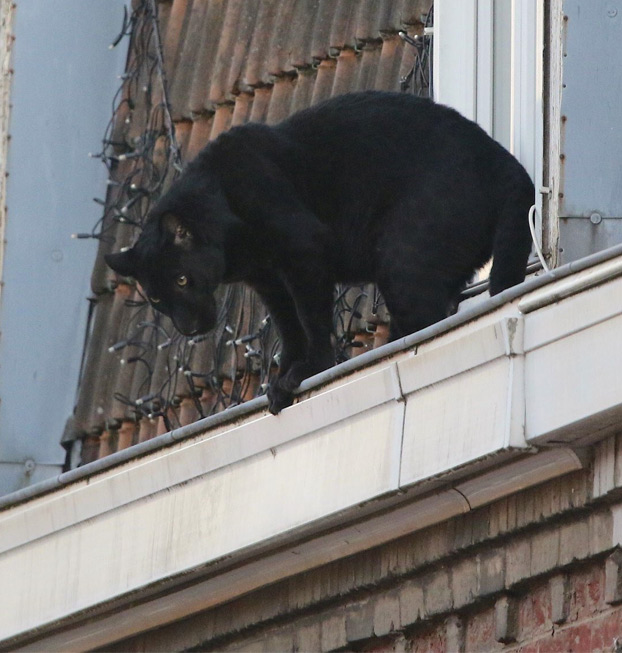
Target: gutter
{"x": 259, "y": 404}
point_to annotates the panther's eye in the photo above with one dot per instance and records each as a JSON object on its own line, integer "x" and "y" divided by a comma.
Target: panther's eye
{"x": 182, "y": 280}
{"x": 154, "y": 300}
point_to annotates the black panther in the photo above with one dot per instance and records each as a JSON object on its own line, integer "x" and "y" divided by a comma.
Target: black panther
{"x": 365, "y": 187}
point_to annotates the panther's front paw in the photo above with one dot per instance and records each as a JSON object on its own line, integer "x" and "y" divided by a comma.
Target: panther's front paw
{"x": 281, "y": 391}
{"x": 278, "y": 397}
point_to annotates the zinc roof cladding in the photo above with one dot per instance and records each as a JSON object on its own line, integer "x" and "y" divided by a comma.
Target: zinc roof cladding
{"x": 226, "y": 62}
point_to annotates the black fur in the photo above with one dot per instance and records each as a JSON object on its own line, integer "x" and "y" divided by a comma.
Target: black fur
{"x": 365, "y": 187}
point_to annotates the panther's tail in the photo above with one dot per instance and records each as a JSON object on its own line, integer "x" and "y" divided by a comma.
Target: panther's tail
{"x": 512, "y": 241}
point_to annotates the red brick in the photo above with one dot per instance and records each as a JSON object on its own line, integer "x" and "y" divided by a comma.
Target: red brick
{"x": 454, "y": 634}
{"x": 480, "y": 633}
{"x": 506, "y": 619}
{"x": 609, "y": 627}
{"x": 560, "y": 598}
{"x": 431, "y": 641}
{"x": 574, "y": 639}
{"x": 613, "y": 577}
{"x": 553, "y": 643}
{"x": 599, "y": 641}
{"x": 594, "y": 588}
{"x": 534, "y": 612}
{"x": 580, "y": 638}
{"x": 380, "y": 647}
{"x": 532, "y": 647}
{"x": 388, "y": 646}
{"x": 586, "y": 593}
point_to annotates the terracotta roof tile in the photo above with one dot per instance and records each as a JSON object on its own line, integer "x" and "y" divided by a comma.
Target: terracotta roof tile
{"x": 163, "y": 365}
{"x": 346, "y": 72}
{"x": 127, "y": 435}
{"x": 411, "y": 12}
{"x": 322, "y": 27}
{"x": 344, "y": 21}
{"x": 172, "y": 35}
{"x": 303, "y": 89}
{"x": 183, "y": 74}
{"x": 324, "y": 81}
{"x": 255, "y": 72}
{"x": 90, "y": 449}
{"x": 281, "y": 99}
{"x": 370, "y": 56}
{"x": 278, "y": 55}
{"x": 118, "y": 375}
{"x": 250, "y": 385}
{"x": 188, "y": 412}
{"x": 242, "y": 109}
{"x": 199, "y": 136}
{"x": 371, "y": 16}
{"x": 165, "y": 8}
{"x": 161, "y": 426}
{"x": 183, "y": 131}
{"x": 227, "y": 62}
{"x": 381, "y": 335}
{"x": 387, "y": 74}
{"x": 102, "y": 276}
{"x": 202, "y": 60}
{"x": 259, "y": 109}
{"x": 241, "y": 47}
{"x": 92, "y": 381}
{"x": 105, "y": 444}
{"x": 221, "y": 120}
{"x": 300, "y": 34}
{"x": 146, "y": 429}
{"x": 409, "y": 53}
{"x": 121, "y": 124}
{"x": 130, "y": 375}
{"x": 204, "y": 355}
{"x": 100, "y": 373}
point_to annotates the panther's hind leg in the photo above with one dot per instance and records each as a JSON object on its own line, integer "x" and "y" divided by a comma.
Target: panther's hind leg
{"x": 415, "y": 299}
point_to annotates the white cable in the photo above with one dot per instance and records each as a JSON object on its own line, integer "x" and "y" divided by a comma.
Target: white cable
{"x": 532, "y": 228}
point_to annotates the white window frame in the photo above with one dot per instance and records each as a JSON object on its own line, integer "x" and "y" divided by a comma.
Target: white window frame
{"x": 499, "y": 85}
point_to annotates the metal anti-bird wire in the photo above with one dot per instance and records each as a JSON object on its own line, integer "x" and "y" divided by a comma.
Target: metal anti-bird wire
{"x": 138, "y": 175}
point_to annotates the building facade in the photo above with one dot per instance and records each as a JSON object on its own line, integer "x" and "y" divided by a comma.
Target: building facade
{"x": 458, "y": 490}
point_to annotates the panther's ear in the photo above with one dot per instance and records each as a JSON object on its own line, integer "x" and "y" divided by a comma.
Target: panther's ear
{"x": 174, "y": 225}
{"x": 123, "y": 263}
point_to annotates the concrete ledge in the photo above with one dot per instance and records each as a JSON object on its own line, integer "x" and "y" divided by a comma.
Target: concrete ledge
{"x": 429, "y": 431}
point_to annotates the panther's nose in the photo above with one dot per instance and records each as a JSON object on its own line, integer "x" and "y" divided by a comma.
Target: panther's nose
{"x": 188, "y": 330}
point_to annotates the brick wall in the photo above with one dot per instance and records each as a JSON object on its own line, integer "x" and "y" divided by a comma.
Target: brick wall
{"x": 537, "y": 571}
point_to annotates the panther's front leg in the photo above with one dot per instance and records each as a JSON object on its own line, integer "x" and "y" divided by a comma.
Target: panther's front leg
{"x": 302, "y": 315}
